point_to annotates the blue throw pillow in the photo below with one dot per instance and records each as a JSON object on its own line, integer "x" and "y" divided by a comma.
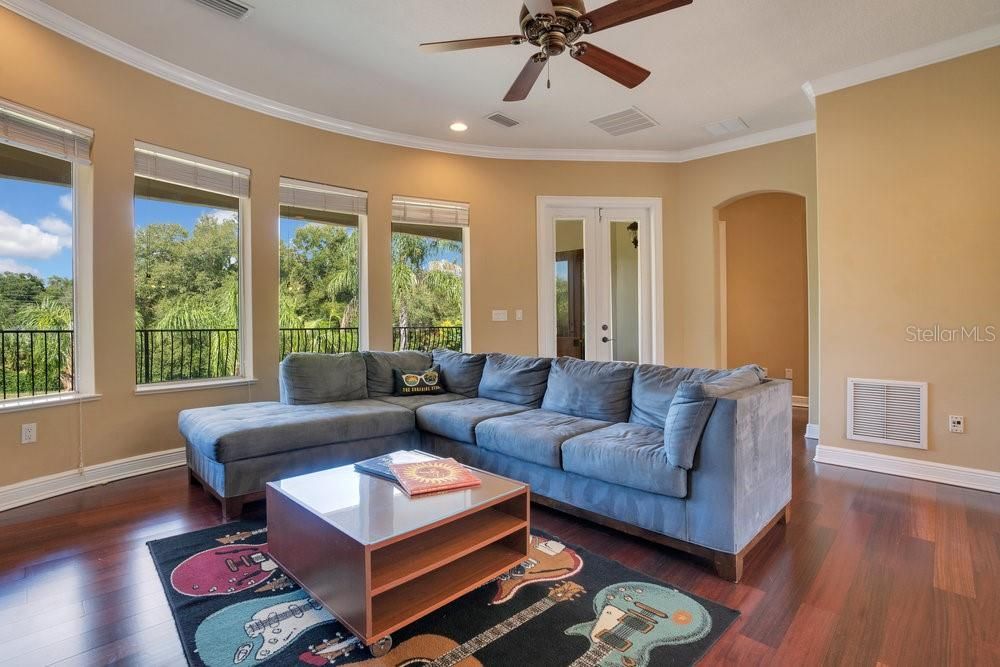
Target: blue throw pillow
{"x": 590, "y": 389}
{"x": 514, "y": 379}
{"x": 460, "y": 372}
{"x": 689, "y": 412}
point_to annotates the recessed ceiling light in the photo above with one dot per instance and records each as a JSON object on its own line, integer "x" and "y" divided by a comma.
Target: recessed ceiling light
{"x": 459, "y": 126}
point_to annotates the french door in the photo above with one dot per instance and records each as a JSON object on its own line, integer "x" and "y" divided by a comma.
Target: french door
{"x": 595, "y": 286}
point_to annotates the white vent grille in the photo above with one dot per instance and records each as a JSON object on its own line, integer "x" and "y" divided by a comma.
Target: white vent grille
{"x": 887, "y": 412}
{"x": 625, "y": 122}
{"x": 724, "y": 127}
{"x": 236, "y": 10}
{"x": 501, "y": 119}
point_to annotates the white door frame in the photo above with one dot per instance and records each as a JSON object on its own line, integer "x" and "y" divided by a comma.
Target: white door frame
{"x": 651, "y": 336}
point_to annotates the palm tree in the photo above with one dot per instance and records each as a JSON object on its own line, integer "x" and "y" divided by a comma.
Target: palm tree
{"x": 46, "y": 364}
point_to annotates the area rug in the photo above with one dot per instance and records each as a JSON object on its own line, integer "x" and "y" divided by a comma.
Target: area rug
{"x": 562, "y": 606}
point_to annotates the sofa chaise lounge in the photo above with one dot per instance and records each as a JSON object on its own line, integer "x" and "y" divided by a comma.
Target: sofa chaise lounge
{"x": 696, "y": 459}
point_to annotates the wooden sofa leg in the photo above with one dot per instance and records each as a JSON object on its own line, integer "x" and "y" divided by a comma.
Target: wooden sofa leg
{"x": 193, "y": 479}
{"x": 232, "y": 508}
{"x": 788, "y": 514}
{"x": 729, "y": 566}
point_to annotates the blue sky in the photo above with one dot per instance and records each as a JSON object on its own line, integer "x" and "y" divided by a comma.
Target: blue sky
{"x": 36, "y": 233}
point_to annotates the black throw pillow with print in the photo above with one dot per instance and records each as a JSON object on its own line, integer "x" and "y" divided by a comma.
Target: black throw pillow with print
{"x": 417, "y": 383}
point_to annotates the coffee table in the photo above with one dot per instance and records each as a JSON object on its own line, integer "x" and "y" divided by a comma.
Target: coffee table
{"x": 378, "y": 559}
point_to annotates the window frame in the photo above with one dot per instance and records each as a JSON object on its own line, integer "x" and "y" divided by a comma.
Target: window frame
{"x": 244, "y": 325}
{"x": 82, "y": 187}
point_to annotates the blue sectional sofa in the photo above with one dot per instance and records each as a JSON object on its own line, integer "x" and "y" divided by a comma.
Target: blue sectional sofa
{"x": 696, "y": 459}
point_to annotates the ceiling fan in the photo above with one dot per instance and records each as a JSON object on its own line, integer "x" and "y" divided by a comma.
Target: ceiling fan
{"x": 556, "y": 26}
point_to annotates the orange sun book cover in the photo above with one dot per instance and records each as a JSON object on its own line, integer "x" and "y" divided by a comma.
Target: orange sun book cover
{"x": 432, "y": 476}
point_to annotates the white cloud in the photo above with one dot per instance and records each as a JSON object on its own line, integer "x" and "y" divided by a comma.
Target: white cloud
{"x": 14, "y": 266}
{"x": 60, "y": 228}
{"x": 18, "y": 239}
{"x": 66, "y": 202}
{"x": 220, "y": 216}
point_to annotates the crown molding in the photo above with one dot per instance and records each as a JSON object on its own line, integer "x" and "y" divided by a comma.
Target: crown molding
{"x": 904, "y": 62}
{"x": 60, "y": 22}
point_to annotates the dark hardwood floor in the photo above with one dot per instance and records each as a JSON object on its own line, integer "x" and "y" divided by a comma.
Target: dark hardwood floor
{"x": 872, "y": 570}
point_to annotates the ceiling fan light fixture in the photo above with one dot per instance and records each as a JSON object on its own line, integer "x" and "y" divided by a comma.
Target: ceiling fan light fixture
{"x": 458, "y": 126}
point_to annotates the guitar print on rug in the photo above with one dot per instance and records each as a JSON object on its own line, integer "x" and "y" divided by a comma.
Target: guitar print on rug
{"x": 223, "y": 570}
{"x": 548, "y": 560}
{"x": 439, "y": 651}
{"x": 633, "y": 618}
{"x": 249, "y": 633}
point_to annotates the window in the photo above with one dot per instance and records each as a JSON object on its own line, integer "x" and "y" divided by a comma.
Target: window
{"x": 190, "y": 233}
{"x": 322, "y": 299}
{"x": 430, "y": 275}
{"x": 45, "y": 351}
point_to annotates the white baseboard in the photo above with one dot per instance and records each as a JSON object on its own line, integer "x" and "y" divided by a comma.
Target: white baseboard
{"x": 40, "y": 488}
{"x": 812, "y": 431}
{"x": 972, "y": 478}
{"x": 800, "y": 401}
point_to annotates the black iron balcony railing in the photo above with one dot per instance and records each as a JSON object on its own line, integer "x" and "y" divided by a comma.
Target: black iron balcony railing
{"x": 35, "y": 362}
{"x": 427, "y": 338}
{"x": 314, "y": 339}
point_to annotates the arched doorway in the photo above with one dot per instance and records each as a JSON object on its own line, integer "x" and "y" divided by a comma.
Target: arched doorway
{"x": 763, "y": 281}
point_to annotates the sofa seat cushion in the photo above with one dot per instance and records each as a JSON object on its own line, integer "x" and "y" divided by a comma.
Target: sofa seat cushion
{"x": 458, "y": 419}
{"x": 535, "y": 436}
{"x": 227, "y": 433}
{"x": 630, "y": 455}
{"x": 414, "y": 402}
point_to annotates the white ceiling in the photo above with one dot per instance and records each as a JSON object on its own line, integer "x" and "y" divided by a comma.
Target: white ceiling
{"x": 357, "y": 60}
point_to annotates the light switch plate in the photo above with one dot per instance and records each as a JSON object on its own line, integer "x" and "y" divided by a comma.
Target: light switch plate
{"x": 518, "y": 314}
{"x": 499, "y": 315}
{"x": 788, "y": 373}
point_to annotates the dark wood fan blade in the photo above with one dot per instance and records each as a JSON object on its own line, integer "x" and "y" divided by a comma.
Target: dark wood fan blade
{"x": 628, "y": 74}
{"x": 526, "y": 79}
{"x": 476, "y": 43}
{"x": 624, "y": 11}
{"x": 536, "y": 7}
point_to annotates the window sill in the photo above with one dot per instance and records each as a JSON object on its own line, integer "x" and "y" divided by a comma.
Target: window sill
{"x": 38, "y": 402}
{"x": 193, "y": 385}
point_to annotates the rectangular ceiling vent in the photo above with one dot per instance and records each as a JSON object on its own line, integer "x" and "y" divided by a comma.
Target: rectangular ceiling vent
{"x": 625, "y": 122}
{"x": 887, "y": 412}
{"x": 231, "y": 8}
{"x": 724, "y": 127}
{"x": 501, "y": 119}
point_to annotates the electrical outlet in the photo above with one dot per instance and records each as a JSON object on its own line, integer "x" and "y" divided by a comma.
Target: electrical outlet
{"x": 956, "y": 423}
{"x": 788, "y": 374}
{"x": 499, "y": 315}
{"x": 29, "y": 433}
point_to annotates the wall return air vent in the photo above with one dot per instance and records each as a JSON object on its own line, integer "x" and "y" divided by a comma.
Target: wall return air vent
{"x": 231, "y": 8}
{"x": 887, "y": 412}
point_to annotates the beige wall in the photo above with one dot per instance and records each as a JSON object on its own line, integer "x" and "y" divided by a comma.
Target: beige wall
{"x": 909, "y": 236}
{"x": 42, "y": 70}
{"x": 767, "y": 304}
{"x": 693, "y": 314}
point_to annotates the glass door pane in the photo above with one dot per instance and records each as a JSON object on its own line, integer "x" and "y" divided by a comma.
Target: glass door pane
{"x": 569, "y": 286}
{"x": 623, "y": 248}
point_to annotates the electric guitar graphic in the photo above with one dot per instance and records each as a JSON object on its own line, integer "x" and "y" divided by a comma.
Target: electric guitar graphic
{"x": 548, "y": 560}
{"x": 223, "y": 570}
{"x": 438, "y": 651}
{"x": 329, "y": 651}
{"x": 240, "y": 536}
{"x": 249, "y": 633}
{"x": 633, "y": 618}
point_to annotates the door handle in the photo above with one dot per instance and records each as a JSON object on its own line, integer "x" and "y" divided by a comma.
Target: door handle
{"x": 605, "y": 339}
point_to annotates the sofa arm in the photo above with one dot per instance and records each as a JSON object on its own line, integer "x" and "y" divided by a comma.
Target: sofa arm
{"x": 743, "y": 474}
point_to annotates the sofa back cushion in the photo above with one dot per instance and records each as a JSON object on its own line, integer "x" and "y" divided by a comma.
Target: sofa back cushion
{"x": 515, "y": 379}
{"x": 460, "y": 372}
{"x": 306, "y": 378}
{"x": 590, "y": 389}
{"x": 379, "y": 367}
{"x": 653, "y": 387}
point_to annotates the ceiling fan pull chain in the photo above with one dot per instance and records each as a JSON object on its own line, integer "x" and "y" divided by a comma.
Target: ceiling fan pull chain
{"x": 548, "y": 74}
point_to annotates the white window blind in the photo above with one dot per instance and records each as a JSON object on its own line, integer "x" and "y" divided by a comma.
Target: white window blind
{"x": 303, "y": 194}
{"x": 429, "y": 212}
{"x": 33, "y": 130}
{"x": 165, "y": 165}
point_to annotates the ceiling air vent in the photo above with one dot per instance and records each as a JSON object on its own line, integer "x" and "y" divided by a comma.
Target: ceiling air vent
{"x": 724, "y": 127}
{"x": 625, "y": 122}
{"x": 236, "y": 10}
{"x": 887, "y": 412}
{"x": 500, "y": 119}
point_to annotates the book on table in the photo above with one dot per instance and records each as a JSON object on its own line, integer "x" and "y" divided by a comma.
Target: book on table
{"x": 420, "y": 477}
{"x": 379, "y": 465}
